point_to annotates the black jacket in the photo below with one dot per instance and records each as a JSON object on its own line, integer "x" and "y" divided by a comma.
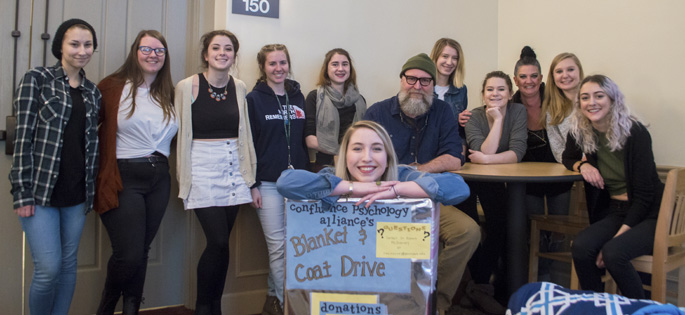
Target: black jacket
{"x": 643, "y": 185}
{"x": 268, "y": 130}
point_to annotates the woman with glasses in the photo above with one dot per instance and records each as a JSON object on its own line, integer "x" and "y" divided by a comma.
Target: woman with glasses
{"x": 495, "y": 134}
{"x": 133, "y": 186}
{"x": 54, "y": 164}
{"x": 332, "y": 107}
{"x": 277, "y": 118}
{"x": 215, "y": 158}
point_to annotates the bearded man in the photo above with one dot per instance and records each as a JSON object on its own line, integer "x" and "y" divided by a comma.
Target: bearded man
{"x": 421, "y": 128}
{"x": 424, "y": 133}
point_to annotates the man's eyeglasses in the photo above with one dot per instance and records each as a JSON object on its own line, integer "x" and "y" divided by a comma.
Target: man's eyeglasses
{"x": 146, "y": 50}
{"x": 412, "y": 80}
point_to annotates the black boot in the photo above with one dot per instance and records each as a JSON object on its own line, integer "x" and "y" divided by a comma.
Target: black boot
{"x": 216, "y": 307}
{"x": 108, "y": 302}
{"x": 203, "y": 309}
{"x": 131, "y": 305}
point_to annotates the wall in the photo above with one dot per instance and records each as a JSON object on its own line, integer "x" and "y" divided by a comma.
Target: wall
{"x": 609, "y": 37}
{"x": 380, "y": 36}
{"x": 636, "y": 43}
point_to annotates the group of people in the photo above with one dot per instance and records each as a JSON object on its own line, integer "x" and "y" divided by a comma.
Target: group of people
{"x": 235, "y": 148}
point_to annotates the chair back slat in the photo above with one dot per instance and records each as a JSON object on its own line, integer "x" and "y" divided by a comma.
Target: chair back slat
{"x": 673, "y": 206}
{"x": 676, "y": 222}
{"x": 679, "y": 209}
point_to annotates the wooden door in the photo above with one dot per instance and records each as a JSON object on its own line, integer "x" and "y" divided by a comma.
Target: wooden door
{"x": 179, "y": 242}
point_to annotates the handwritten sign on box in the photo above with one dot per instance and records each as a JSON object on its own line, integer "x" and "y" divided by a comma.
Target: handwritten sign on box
{"x": 403, "y": 240}
{"x": 388, "y": 249}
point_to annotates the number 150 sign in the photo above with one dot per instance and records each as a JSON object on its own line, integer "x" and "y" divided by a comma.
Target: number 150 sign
{"x": 265, "y": 8}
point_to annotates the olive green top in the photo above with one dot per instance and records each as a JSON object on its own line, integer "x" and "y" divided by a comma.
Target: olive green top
{"x": 611, "y": 166}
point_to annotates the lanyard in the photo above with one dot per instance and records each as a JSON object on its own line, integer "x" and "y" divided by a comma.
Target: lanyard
{"x": 286, "y": 124}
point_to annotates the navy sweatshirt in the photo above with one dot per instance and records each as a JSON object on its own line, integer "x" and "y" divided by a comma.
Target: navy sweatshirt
{"x": 268, "y": 130}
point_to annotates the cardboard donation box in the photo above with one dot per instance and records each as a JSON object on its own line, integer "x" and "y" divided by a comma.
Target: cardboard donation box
{"x": 350, "y": 259}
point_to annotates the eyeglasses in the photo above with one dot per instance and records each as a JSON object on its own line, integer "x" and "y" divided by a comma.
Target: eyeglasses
{"x": 412, "y": 80}
{"x": 146, "y": 50}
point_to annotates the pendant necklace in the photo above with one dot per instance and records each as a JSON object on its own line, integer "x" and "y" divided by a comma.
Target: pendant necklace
{"x": 218, "y": 96}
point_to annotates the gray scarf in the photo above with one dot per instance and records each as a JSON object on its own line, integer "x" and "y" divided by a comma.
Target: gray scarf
{"x": 328, "y": 101}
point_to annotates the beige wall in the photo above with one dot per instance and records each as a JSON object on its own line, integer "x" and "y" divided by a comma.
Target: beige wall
{"x": 636, "y": 43}
{"x": 380, "y": 36}
{"x": 610, "y": 37}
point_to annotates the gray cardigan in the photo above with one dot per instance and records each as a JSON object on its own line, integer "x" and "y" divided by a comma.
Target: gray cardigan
{"x": 557, "y": 135}
{"x": 514, "y": 130}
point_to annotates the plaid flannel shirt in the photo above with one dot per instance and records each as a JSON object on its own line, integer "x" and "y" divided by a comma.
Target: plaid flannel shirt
{"x": 43, "y": 107}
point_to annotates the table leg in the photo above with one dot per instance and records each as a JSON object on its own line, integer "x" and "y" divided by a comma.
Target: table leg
{"x": 516, "y": 237}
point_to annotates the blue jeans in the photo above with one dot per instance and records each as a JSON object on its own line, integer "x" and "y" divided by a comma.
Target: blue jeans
{"x": 53, "y": 235}
{"x": 271, "y": 215}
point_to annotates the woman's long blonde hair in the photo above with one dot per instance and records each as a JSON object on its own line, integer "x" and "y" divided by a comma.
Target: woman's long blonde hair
{"x": 555, "y": 103}
{"x": 457, "y": 76}
{"x": 341, "y": 165}
{"x": 620, "y": 118}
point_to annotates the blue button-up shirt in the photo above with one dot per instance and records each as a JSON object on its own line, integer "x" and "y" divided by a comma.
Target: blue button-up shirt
{"x": 435, "y": 134}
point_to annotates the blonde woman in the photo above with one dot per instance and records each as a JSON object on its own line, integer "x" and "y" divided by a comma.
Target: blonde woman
{"x": 563, "y": 81}
{"x": 622, "y": 185}
{"x": 449, "y": 82}
{"x": 367, "y": 156}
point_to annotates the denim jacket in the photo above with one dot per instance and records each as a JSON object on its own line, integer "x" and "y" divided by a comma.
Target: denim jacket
{"x": 457, "y": 98}
{"x": 446, "y": 188}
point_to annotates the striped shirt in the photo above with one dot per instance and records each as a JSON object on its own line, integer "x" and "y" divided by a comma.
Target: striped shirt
{"x": 43, "y": 108}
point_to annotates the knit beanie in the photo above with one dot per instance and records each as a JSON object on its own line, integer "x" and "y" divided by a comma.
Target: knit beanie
{"x": 421, "y": 62}
{"x": 59, "y": 36}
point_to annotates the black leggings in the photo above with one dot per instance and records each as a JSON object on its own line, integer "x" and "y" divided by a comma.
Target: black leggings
{"x": 617, "y": 252}
{"x": 217, "y": 223}
{"x": 493, "y": 199}
{"x": 133, "y": 225}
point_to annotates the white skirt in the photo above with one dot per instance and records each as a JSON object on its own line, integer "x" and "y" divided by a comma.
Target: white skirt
{"x": 216, "y": 179}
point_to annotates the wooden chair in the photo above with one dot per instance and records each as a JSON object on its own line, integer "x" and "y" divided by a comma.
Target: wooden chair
{"x": 669, "y": 241}
{"x": 571, "y": 225}
{"x": 669, "y": 238}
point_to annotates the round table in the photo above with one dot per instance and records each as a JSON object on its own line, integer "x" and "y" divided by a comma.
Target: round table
{"x": 516, "y": 176}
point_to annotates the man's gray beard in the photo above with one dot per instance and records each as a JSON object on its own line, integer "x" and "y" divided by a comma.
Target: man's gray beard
{"x": 414, "y": 107}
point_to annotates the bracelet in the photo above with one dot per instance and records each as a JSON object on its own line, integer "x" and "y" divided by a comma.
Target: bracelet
{"x": 351, "y": 190}
{"x": 581, "y": 164}
{"x": 395, "y": 191}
